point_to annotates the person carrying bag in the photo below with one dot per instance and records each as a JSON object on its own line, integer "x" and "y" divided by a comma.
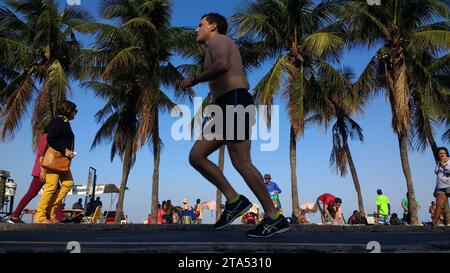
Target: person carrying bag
{"x": 56, "y": 161}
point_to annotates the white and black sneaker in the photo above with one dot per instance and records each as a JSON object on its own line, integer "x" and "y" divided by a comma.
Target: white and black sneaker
{"x": 269, "y": 227}
{"x": 233, "y": 211}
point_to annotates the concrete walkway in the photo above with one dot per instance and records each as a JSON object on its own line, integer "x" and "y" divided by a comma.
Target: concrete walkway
{"x": 98, "y": 238}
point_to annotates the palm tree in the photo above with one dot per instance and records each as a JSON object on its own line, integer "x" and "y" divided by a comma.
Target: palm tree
{"x": 120, "y": 124}
{"x": 136, "y": 54}
{"x": 338, "y": 102}
{"x": 38, "y": 46}
{"x": 404, "y": 28}
{"x": 295, "y": 33}
{"x": 344, "y": 127}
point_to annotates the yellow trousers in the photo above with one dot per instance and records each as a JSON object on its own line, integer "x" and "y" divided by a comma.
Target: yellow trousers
{"x": 51, "y": 196}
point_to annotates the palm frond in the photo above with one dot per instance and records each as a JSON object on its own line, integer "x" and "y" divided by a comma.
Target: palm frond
{"x": 15, "y": 104}
{"x": 90, "y": 64}
{"x": 103, "y": 89}
{"x": 320, "y": 44}
{"x": 331, "y": 76}
{"x": 107, "y": 34}
{"x": 159, "y": 11}
{"x": 75, "y": 15}
{"x": 13, "y": 25}
{"x": 14, "y": 52}
{"x": 139, "y": 23}
{"x": 165, "y": 103}
{"x": 294, "y": 96}
{"x": 431, "y": 39}
{"x": 44, "y": 111}
{"x": 441, "y": 64}
{"x": 338, "y": 157}
{"x": 422, "y": 126}
{"x": 256, "y": 18}
{"x": 327, "y": 10}
{"x": 108, "y": 109}
{"x": 359, "y": 11}
{"x": 441, "y": 8}
{"x": 171, "y": 77}
{"x": 127, "y": 59}
{"x": 58, "y": 81}
{"x": 117, "y": 9}
{"x": 354, "y": 130}
{"x": 190, "y": 69}
{"x": 106, "y": 131}
{"x": 253, "y": 53}
{"x": 368, "y": 81}
{"x": 181, "y": 40}
{"x": 267, "y": 88}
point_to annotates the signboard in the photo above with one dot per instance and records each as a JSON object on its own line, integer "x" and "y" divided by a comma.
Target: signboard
{"x": 99, "y": 189}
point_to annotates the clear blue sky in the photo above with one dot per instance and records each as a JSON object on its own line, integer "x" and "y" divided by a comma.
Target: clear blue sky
{"x": 377, "y": 159}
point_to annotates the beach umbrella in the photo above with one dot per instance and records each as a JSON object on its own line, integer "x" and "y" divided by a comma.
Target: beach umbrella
{"x": 210, "y": 204}
{"x": 309, "y": 207}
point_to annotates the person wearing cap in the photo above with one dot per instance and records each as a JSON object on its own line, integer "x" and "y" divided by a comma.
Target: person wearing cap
{"x": 186, "y": 205}
{"x": 274, "y": 192}
{"x": 188, "y": 213}
{"x": 383, "y": 207}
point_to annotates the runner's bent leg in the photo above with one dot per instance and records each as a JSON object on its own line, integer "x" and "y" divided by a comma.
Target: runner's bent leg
{"x": 240, "y": 157}
{"x": 198, "y": 158}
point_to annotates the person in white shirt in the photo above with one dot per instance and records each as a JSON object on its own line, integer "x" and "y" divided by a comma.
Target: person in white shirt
{"x": 442, "y": 191}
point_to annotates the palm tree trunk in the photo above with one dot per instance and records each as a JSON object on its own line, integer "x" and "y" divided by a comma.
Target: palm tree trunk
{"x": 403, "y": 143}
{"x": 155, "y": 183}
{"x": 355, "y": 179}
{"x": 293, "y": 163}
{"x": 126, "y": 166}
{"x": 219, "y": 193}
{"x": 433, "y": 146}
{"x": 398, "y": 89}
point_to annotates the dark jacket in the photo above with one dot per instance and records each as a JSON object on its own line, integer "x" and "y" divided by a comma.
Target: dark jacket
{"x": 60, "y": 136}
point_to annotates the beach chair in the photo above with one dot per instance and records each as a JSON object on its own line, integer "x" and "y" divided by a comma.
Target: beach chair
{"x": 94, "y": 217}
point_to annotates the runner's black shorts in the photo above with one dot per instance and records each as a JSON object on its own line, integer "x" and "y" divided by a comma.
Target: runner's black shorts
{"x": 237, "y": 123}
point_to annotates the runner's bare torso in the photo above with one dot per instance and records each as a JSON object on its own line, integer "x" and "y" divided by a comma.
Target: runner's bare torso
{"x": 225, "y": 50}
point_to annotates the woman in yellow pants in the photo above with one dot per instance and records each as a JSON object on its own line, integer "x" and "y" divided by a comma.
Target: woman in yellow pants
{"x": 61, "y": 138}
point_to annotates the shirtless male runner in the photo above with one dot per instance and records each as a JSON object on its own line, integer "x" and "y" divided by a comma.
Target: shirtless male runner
{"x": 224, "y": 72}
